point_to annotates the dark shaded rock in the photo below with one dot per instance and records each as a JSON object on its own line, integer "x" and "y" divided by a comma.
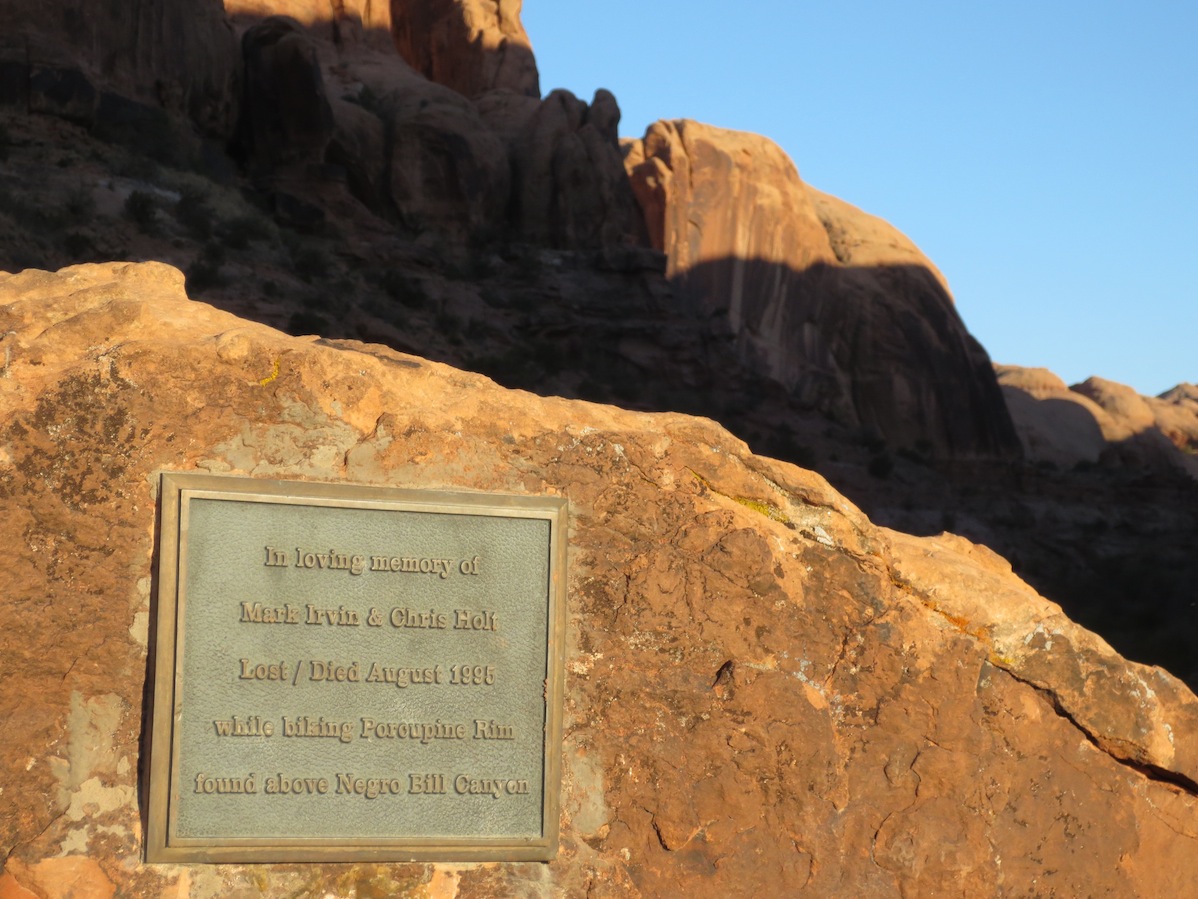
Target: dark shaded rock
{"x": 177, "y": 54}
{"x": 148, "y": 129}
{"x": 447, "y": 172}
{"x": 569, "y": 185}
{"x": 296, "y": 212}
{"x": 14, "y": 72}
{"x": 64, "y": 92}
{"x": 358, "y": 144}
{"x": 285, "y": 117}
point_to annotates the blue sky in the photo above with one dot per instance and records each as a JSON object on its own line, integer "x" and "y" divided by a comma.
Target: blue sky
{"x": 1044, "y": 156}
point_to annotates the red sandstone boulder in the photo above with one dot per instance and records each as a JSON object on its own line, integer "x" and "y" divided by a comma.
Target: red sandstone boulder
{"x": 766, "y": 693}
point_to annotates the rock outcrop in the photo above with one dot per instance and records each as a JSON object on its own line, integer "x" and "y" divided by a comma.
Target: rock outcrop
{"x": 472, "y": 46}
{"x": 286, "y": 118}
{"x": 1055, "y": 424}
{"x": 569, "y": 188}
{"x": 343, "y": 22}
{"x": 456, "y": 148}
{"x": 828, "y": 301}
{"x": 470, "y": 165}
{"x": 1101, "y": 421}
{"x": 66, "y": 58}
{"x": 766, "y": 693}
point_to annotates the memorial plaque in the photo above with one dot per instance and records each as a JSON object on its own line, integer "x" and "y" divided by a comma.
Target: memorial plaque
{"x": 352, "y": 673}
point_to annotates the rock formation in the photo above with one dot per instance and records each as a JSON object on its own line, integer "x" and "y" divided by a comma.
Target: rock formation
{"x": 569, "y": 187}
{"x": 498, "y": 232}
{"x": 831, "y": 302}
{"x": 343, "y": 22}
{"x": 501, "y": 165}
{"x": 472, "y": 46}
{"x": 69, "y": 59}
{"x": 1101, "y": 421}
{"x": 766, "y": 693}
{"x": 449, "y": 140}
{"x": 285, "y": 114}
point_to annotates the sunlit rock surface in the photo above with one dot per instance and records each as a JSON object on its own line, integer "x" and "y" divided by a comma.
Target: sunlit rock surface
{"x": 765, "y": 692}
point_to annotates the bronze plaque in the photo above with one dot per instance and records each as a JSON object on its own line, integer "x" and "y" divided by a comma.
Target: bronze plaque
{"x": 354, "y": 673}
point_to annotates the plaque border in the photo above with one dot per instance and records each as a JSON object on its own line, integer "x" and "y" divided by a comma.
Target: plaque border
{"x": 174, "y": 488}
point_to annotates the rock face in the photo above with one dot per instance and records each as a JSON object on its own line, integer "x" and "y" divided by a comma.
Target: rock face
{"x": 286, "y": 116}
{"x": 178, "y": 55}
{"x": 450, "y": 140}
{"x": 1101, "y": 421}
{"x": 504, "y": 165}
{"x": 341, "y": 21}
{"x": 472, "y": 46}
{"x": 862, "y": 240}
{"x": 831, "y": 302}
{"x": 569, "y": 188}
{"x": 1054, "y": 423}
{"x": 765, "y": 694}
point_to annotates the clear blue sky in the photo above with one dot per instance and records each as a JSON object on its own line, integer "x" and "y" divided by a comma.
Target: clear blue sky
{"x": 1043, "y": 155}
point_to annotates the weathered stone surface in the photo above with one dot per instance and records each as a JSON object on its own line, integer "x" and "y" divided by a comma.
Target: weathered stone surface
{"x": 1101, "y": 421}
{"x": 1120, "y": 402}
{"x": 570, "y": 189}
{"x": 179, "y": 54}
{"x": 740, "y": 193}
{"x": 828, "y": 301}
{"x": 448, "y": 171}
{"x": 285, "y": 116}
{"x": 1176, "y": 412}
{"x": 344, "y": 22}
{"x": 1055, "y": 424}
{"x": 865, "y": 241}
{"x": 472, "y": 46}
{"x": 1162, "y": 431}
{"x": 766, "y": 693}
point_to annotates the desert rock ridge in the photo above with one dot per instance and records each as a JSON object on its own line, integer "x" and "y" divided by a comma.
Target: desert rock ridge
{"x": 765, "y": 691}
{"x": 1101, "y": 422}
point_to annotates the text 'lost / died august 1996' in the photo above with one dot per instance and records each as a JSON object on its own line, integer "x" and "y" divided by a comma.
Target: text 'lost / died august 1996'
{"x": 335, "y": 655}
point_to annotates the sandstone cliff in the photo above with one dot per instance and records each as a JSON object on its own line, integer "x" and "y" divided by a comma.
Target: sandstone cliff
{"x": 833, "y": 303}
{"x": 766, "y": 693}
